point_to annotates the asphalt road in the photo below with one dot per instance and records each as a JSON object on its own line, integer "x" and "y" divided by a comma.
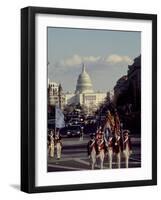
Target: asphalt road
{"x": 74, "y": 156}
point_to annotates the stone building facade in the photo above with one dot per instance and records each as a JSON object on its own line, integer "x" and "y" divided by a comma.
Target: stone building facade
{"x": 84, "y": 93}
{"x": 127, "y": 95}
{"x": 55, "y": 95}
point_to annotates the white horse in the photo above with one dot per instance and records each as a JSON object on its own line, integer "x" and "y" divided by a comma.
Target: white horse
{"x": 97, "y": 153}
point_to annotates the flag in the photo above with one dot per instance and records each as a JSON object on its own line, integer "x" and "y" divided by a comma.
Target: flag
{"x": 59, "y": 116}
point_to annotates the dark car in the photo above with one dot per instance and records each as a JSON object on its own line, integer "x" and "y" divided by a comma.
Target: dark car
{"x": 74, "y": 131}
{"x": 76, "y": 122}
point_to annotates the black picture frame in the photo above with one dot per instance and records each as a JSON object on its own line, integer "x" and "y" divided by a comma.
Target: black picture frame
{"x": 28, "y": 98}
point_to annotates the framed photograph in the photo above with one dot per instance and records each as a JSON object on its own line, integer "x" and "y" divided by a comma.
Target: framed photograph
{"x": 88, "y": 99}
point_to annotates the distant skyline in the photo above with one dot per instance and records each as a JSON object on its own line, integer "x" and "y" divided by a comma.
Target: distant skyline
{"x": 105, "y": 53}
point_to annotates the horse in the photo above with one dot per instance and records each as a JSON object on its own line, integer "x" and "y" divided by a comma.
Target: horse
{"x": 97, "y": 151}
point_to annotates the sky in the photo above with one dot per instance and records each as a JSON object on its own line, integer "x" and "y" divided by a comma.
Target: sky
{"x": 106, "y": 55}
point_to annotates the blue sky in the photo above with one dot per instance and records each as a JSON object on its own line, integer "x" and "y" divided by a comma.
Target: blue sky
{"x": 106, "y": 55}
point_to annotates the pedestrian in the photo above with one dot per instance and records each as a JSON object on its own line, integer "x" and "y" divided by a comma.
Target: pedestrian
{"x": 127, "y": 147}
{"x": 81, "y": 133}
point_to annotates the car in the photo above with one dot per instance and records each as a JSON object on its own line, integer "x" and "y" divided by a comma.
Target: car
{"x": 76, "y": 121}
{"x": 91, "y": 119}
{"x": 74, "y": 131}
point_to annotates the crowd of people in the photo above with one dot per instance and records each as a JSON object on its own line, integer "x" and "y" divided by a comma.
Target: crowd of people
{"x": 110, "y": 140}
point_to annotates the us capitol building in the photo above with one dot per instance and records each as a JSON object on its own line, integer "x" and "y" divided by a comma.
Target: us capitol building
{"x": 83, "y": 95}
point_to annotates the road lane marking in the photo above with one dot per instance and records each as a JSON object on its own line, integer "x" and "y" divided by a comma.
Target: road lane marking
{"x": 64, "y": 167}
{"x": 82, "y": 161}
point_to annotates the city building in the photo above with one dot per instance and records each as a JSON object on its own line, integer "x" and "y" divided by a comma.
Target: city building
{"x": 128, "y": 88}
{"x": 84, "y": 93}
{"x": 55, "y": 94}
{"x": 127, "y": 96}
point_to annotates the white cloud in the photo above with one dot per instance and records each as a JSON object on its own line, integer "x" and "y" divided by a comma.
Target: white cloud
{"x": 77, "y": 60}
{"x": 111, "y": 59}
{"x": 115, "y": 59}
{"x": 91, "y": 58}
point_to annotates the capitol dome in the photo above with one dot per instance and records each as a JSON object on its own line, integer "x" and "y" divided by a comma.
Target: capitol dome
{"x": 84, "y": 84}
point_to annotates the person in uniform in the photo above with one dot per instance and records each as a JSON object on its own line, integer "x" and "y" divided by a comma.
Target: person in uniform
{"x": 91, "y": 144}
{"x": 81, "y": 133}
{"x": 127, "y": 147}
{"x": 98, "y": 137}
{"x": 48, "y": 142}
{"x": 110, "y": 143}
{"x": 98, "y": 132}
{"x": 118, "y": 147}
{"x": 58, "y": 144}
{"x": 52, "y": 145}
{"x": 101, "y": 143}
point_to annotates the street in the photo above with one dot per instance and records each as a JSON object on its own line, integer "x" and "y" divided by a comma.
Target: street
{"x": 75, "y": 157}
